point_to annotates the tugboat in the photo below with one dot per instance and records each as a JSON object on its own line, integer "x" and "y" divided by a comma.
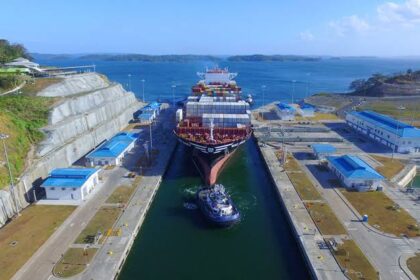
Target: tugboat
{"x": 217, "y": 206}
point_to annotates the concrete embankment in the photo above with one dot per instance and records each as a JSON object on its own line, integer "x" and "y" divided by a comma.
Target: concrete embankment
{"x": 91, "y": 111}
{"x": 321, "y": 263}
{"x": 405, "y": 176}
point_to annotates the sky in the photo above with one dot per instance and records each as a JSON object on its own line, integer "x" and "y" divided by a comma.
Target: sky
{"x": 215, "y": 27}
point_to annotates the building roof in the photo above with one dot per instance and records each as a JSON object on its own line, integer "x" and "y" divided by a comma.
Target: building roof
{"x": 286, "y": 107}
{"x": 392, "y": 125}
{"x": 114, "y": 146}
{"x": 353, "y": 167}
{"x": 68, "y": 177}
{"x": 22, "y": 62}
{"x": 323, "y": 148}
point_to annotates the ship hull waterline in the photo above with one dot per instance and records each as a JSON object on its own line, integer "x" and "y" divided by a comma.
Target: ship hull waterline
{"x": 210, "y": 165}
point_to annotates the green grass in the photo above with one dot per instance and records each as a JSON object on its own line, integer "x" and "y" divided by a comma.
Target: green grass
{"x": 390, "y": 167}
{"x": 300, "y": 181}
{"x": 73, "y": 262}
{"x": 382, "y": 215}
{"x": 414, "y": 265}
{"x": 325, "y": 219}
{"x": 103, "y": 220}
{"x": 30, "y": 231}
{"x": 351, "y": 258}
{"x": 390, "y": 108}
{"x": 21, "y": 117}
{"x": 121, "y": 194}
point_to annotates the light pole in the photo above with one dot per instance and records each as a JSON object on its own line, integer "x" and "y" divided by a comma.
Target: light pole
{"x": 129, "y": 82}
{"x": 142, "y": 82}
{"x": 3, "y": 137}
{"x": 293, "y": 93}
{"x": 150, "y": 136}
{"x": 397, "y": 140}
{"x": 263, "y": 99}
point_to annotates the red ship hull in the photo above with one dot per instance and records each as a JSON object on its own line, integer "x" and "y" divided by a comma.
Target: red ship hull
{"x": 210, "y": 171}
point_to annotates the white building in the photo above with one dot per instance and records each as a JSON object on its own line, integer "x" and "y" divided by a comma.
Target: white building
{"x": 70, "y": 183}
{"x": 286, "y": 112}
{"x": 399, "y": 136}
{"x": 112, "y": 151}
{"x": 354, "y": 173}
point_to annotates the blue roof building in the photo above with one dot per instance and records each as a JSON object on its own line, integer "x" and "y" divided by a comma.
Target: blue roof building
{"x": 354, "y": 173}
{"x": 306, "y": 110}
{"x": 112, "y": 151}
{"x": 399, "y": 136}
{"x": 323, "y": 150}
{"x": 70, "y": 183}
{"x": 148, "y": 113}
{"x": 286, "y": 111}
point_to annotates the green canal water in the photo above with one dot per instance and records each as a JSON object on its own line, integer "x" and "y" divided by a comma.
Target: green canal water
{"x": 415, "y": 183}
{"x": 177, "y": 243}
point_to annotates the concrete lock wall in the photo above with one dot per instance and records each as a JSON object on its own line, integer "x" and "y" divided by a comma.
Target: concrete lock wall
{"x": 76, "y": 125}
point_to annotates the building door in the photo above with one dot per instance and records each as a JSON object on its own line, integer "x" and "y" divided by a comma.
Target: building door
{"x": 72, "y": 196}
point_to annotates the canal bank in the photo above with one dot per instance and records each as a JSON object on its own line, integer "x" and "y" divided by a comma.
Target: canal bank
{"x": 321, "y": 263}
{"x": 177, "y": 242}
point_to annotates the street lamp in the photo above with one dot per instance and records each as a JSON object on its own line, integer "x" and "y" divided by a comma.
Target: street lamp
{"x": 142, "y": 82}
{"x": 263, "y": 100}
{"x": 293, "y": 93}
{"x": 3, "y": 137}
{"x": 173, "y": 95}
{"x": 129, "y": 82}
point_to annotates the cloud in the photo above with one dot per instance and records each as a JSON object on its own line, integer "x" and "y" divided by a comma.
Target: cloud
{"x": 407, "y": 13}
{"x": 351, "y": 24}
{"x": 306, "y": 36}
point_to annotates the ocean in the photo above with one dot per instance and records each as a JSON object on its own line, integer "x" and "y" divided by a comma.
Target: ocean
{"x": 326, "y": 75}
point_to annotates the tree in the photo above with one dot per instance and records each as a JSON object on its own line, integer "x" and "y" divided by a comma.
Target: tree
{"x": 8, "y": 51}
{"x": 357, "y": 85}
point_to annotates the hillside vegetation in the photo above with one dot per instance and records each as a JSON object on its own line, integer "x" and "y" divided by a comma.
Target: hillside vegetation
{"x": 8, "y": 52}
{"x": 401, "y": 84}
{"x": 21, "y": 117}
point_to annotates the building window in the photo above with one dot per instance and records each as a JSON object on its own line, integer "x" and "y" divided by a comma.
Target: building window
{"x": 52, "y": 188}
{"x": 74, "y": 189}
{"x": 63, "y": 189}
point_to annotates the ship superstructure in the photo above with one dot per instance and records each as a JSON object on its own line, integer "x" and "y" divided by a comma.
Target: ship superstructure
{"x": 216, "y": 121}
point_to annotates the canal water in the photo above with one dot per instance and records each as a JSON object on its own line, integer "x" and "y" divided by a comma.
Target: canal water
{"x": 415, "y": 183}
{"x": 177, "y": 243}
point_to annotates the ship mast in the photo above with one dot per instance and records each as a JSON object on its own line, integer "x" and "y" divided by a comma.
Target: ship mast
{"x": 211, "y": 130}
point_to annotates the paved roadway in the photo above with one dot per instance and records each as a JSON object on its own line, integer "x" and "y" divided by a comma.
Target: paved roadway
{"x": 40, "y": 265}
{"x": 383, "y": 251}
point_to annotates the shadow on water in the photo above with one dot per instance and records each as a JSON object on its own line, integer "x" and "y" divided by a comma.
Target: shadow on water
{"x": 178, "y": 243}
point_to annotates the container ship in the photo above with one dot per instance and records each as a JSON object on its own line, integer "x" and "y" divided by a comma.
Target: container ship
{"x": 214, "y": 122}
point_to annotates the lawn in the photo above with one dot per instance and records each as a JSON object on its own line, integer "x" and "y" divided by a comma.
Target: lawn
{"x": 389, "y": 167}
{"x": 382, "y": 213}
{"x": 300, "y": 181}
{"x": 325, "y": 219}
{"x": 121, "y": 194}
{"x": 103, "y": 220}
{"x": 73, "y": 262}
{"x": 29, "y": 231}
{"x": 390, "y": 108}
{"x": 351, "y": 258}
{"x": 414, "y": 265}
